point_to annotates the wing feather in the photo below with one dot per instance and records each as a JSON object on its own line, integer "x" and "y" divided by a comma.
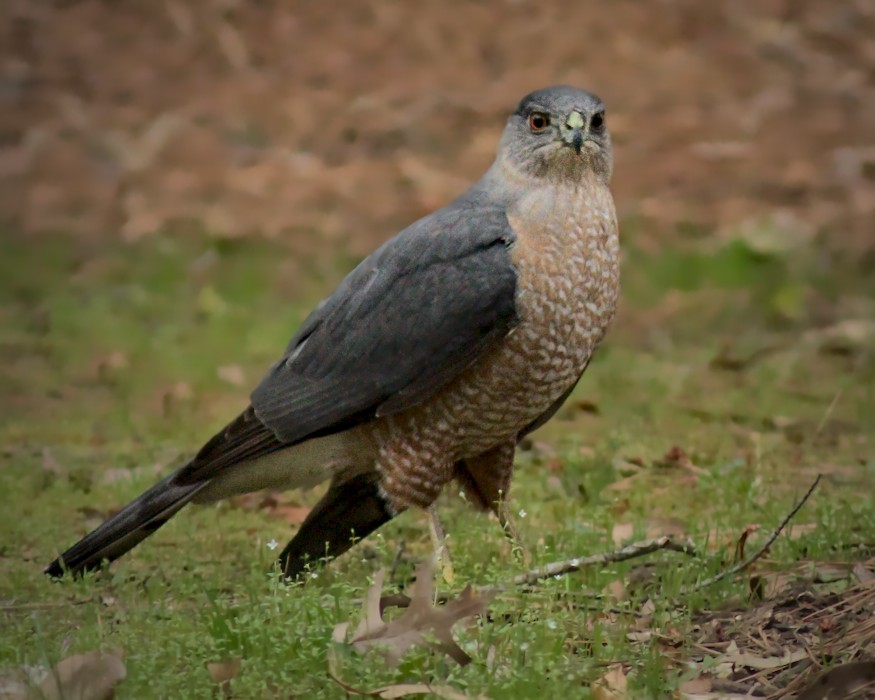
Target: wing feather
{"x": 399, "y": 328}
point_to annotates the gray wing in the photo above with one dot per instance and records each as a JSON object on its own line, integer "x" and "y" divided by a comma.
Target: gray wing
{"x": 401, "y": 326}
{"x": 404, "y": 323}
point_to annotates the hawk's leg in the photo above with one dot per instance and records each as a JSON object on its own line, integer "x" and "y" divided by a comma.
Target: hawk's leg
{"x": 412, "y": 473}
{"x": 485, "y": 479}
{"x": 439, "y": 541}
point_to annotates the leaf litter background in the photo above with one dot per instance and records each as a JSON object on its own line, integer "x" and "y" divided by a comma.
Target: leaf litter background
{"x": 328, "y": 129}
{"x": 120, "y": 118}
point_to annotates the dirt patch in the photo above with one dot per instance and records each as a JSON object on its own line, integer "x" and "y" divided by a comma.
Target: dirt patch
{"x": 263, "y": 117}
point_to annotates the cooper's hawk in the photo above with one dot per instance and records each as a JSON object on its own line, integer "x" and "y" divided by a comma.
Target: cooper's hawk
{"x": 432, "y": 358}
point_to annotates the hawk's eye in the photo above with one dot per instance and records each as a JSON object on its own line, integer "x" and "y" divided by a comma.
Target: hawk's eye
{"x": 538, "y": 121}
{"x": 597, "y": 123}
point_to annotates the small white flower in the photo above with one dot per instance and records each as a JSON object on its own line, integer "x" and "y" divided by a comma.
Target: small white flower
{"x": 272, "y": 545}
{"x": 523, "y": 513}
{"x": 552, "y": 624}
{"x": 524, "y": 646}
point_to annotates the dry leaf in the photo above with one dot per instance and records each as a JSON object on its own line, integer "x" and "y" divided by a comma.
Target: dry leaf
{"x": 233, "y": 374}
{"x": 676, "y": 457}
{"x": 611, "y": 686}
{"x": 742, "y": 540}
{"x": 624, "y": 484}
{"x": 405, "y": 690}
{"x": 291, "y": 513}
{"x": 616, "y": 589}
{"x": 91, "y": 676}
{"x": 419, "y": 622}
{"x": 763, "y": 663}
{"x": 113, "y": 362}
{"x": 50, "y": 464}
{"x": 697, "y": 686}
{"x": 862, "y": 573}
{"x": 622, "y": 532}
{"x": 223, "y": 672}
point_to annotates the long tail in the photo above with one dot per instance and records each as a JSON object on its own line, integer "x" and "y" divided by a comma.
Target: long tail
{"x": 127, "y": 528}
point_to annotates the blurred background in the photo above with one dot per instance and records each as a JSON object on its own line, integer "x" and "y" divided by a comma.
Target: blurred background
{"x": 333, "y": 125}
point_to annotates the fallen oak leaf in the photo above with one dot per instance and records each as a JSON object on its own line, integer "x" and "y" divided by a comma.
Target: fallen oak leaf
{"x": 271, "y": 505}
{"x": 419, "y": 621}
{"x": 763, "y": 663}
{"x": 611, "y": 686}
{"x": 50, "y": 464}
{"x": 405, "y": 690}
{"x": 90, "y": 676}
{"x": 223, "y": 672}
{"x": 293, "y": 515}
{"x": 232, "y": 374}
{"x": 863, "y": 574}
{"x": 696, "y": 686}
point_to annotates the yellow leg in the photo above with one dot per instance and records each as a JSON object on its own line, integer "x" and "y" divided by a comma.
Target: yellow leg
{"x": 502, "y": 510}
{"x": 439, "y": 541}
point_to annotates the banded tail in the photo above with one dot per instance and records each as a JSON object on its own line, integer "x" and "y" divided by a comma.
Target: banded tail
{"x": 127, "y": 528}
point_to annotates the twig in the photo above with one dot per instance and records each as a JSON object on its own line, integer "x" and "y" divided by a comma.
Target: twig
{"x": 742, "y": 565}
{"x": 16, "y": 607}
{"x": 639, "y": 549}
{"x": 559, "y": 568}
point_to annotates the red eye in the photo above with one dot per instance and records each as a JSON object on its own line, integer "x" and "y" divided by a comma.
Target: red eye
{"x": 538, "y": 121}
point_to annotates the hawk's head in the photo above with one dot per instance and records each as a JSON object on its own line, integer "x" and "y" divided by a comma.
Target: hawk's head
{"x": 558, "y": 132}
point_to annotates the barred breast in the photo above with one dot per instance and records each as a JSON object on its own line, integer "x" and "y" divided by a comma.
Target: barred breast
{"x": 566, "y": 255}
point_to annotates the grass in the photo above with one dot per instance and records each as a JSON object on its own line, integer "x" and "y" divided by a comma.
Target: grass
{"x": 110, "y": 375}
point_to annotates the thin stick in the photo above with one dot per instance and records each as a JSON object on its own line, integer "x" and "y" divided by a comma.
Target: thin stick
{"x": 741, "y": 566}
{"x": 559, "y": 568}
{"x": 16, "y": 607}
{"x": 639, "y": 549}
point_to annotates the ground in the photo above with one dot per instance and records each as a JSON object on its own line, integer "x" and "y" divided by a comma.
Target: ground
{"x": 731, "y": 379}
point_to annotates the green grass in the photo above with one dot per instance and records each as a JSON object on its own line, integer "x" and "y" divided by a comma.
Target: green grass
{"x": 109, "y": 363}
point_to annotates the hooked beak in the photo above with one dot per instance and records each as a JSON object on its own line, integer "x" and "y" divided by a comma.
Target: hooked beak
{"x": 574, "y": 132}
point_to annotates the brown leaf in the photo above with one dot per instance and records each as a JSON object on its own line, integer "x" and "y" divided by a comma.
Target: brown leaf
{"x": 624, "y": 484}
{"x": 763, "y": 663}
{"x": 622, "y": 532}
{"x": 293, "y": 515}
{"x": 862, "y": 573}
{"x": 109, "y": 364}
{"x": 269, "y": 503}
{"x": 50, "y": 464}
{"x": 405, "y": 690}
{"x": 676, "y": 457}
{"x": 90, "y": 676}
{"x": 223, "y": 672}
{"x": 585, "y": 406}
{"x": 233, "y": 374}
{"x": 611, "y": 686}
{"x": 742, "y": 540}
{"x": 419, "y": 622}
{"x": 696, "y": 686}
